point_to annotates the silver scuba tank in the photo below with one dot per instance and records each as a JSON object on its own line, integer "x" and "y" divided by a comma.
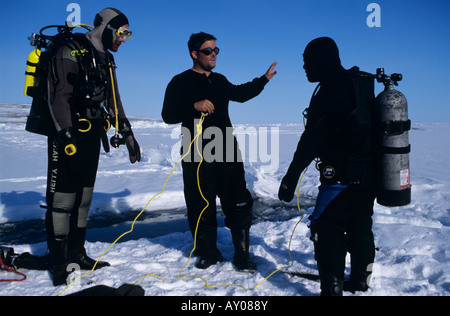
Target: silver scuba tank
{"x": 394, "y": 176}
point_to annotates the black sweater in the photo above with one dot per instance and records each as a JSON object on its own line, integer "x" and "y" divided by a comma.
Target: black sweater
{"x": 189, "y": 87}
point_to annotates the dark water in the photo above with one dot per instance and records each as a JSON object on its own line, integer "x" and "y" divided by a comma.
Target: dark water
{"x": 107, "y": 226}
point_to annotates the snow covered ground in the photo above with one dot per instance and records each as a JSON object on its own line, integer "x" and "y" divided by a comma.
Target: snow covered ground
{"x": 414, "y": 250}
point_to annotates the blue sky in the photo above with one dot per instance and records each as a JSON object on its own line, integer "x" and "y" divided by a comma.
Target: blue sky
{"x": 413, "y": 39}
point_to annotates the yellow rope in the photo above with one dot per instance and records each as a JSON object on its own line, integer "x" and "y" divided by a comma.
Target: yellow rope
{"x": 199, "y": 131}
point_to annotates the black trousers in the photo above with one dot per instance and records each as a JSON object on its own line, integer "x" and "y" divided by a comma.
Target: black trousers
{"x": 225, "y": 180}
{"x": 70, "y": 186}
{"x": 345, "y": 225}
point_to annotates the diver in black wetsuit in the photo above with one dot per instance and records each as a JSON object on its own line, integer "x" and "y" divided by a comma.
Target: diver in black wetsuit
{"x": 338, "y": 132}
{"x": 78, "y": 115}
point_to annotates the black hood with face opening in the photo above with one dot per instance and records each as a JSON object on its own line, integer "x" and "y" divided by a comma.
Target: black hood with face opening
{"x": 101, "y": 36}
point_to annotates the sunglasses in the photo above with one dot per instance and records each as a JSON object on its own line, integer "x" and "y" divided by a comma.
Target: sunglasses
{"x": 208, "y": 51}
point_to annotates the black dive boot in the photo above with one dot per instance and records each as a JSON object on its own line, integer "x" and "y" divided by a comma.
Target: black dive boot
{"x": 362, "y": 256}
{"x": 331, "y": 271}
{"x": 87, "y": 263}
{"x": 207, "y": 259}
{"x": 358, "y": 282}
{"x": 241, "y": 242}
{"x": 206, "y": 248}
{"x": 331, "y": 286}
{"x": 58, "y": 246}
{"x": 59, "y": 260}
{"x": 77, "y": 252}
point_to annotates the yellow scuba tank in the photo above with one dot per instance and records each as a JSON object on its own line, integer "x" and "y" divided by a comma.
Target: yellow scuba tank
{"x": 30, "y": 79}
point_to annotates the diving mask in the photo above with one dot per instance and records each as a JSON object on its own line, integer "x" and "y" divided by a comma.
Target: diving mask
{"x": 121, "y": 34}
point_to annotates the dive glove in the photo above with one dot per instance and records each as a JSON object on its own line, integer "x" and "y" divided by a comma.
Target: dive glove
{"x": 68, "y": 141}
{"x": 287, "y": 187}
{"x": 134, "y": 150}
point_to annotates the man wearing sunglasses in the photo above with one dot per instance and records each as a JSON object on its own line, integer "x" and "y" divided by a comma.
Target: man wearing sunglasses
{"x": 188, "y": 95}
{"x": 82, "y": 92}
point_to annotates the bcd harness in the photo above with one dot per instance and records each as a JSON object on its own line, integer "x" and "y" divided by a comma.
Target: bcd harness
{"x": 87, "y": 103}
{"x": 349, "y": 168}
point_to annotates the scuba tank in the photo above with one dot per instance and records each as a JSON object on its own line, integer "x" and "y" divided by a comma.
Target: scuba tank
{"x": 40, "y": 66}
{"x": 30, "y": 73}
{"x": 392, "y": 143}
{"x": 38, "y": 120}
